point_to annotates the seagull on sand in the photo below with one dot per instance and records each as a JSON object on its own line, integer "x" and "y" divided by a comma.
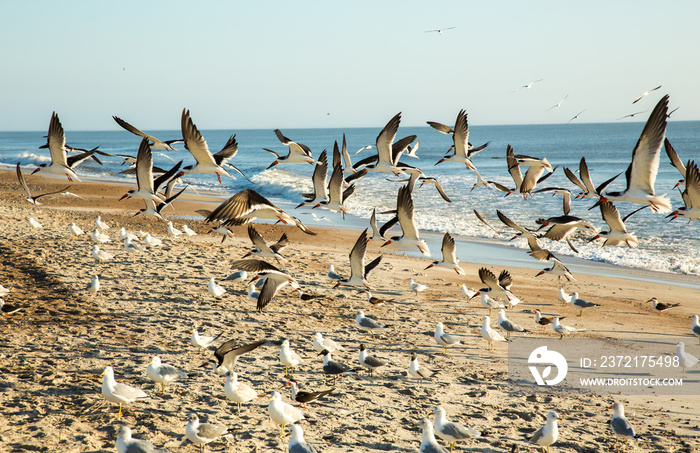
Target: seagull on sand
{"x": 561, "y": 329}
{"x": 661, "y": 307}
{"x": 298, "y": 153}
{"x": 320, "y": 343}
{"x": 238, "y": 392}
{"x": 646, "y": 93}
{"x": 416, "y": 287}
{"x": 227, "y": 355}
{"x": 99, "y": 224}
{"x": 369, "y": 325}
{"x": 548, "y": 434}
{"x": 215, "y": 289}
{"x": 451, "y": 431}
{"x": 563, "y": 296}
{"x": 188, "y": 231}
{"x": 416, "y": 370}
{"x": 75, "y": 230}
{"x": 94, "y": 286}
{"x": 358, "y": 270}
{"x": 201, "y": 434}
{"x": 172, "y": 231}
{"x": 369, "y": 361}
{"x": 577, "y": 302}
{"x": 151, "y": 241}
{"x": 488, "y": 302}
{"x": 507, "y": 325}
{"x": 127, "y": 444}
{"x": 154, "y": 142}
{"x": 685, "y": 360}
{"x": 695, "y": 327}
{"x": 100, "y": 255}
{"x": 206, "y": 161}
{"x": 282, "y": 413}
{"x": 489, "y": 334}
{"x": 123, "y": 234}
{"x": 289, "y": 358}
{"x": 253, "y": 293}
{"x": 163, "y": 373}
{"x": 100, "y": 237}
{"x": 34, "y": 224}
{"x": 118, "y": 393}
{"x": 297, "y": 444}
{"x": 246, "y": 205}
{"x": 202, "y": 342}
{"x": 3, "y": 291}
{"x": 133, "y": 247}
{"x": 621, "y": 427}
{"x": 444, "y": 339}
{"x": 641, "y": 173}
{"x": 333, "y": 368}
{"x": 428, "y": 443}
{"x": 303, "y": 397}
{"x": 275, "y": 279}
{"x": 449, "y": 256}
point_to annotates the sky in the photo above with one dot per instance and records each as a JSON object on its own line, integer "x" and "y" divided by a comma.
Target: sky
{"x": 307, "y": 64}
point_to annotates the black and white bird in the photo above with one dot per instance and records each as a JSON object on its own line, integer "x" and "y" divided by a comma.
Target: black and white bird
{"x": 618, "y": 233}
{"x": 298, "y": 153}
{"x": 227, "y": 355}
{"x": 562, "y": 227}
{"x": 449, "y": 256}
{"x": 369, "y": 325}
{"x": 462, "y": 149}
{"x": 302, "y": 397}
{"x": 275, "y": 279}
{"x": 206, "y": 161}
{"x": 641, "y": 173}
{"x": 661, "y": 307}
{"x": 388, "y": 151}
{"x": 147, "y": 187}
{"x": 154, "y": 143}
{"x": 262, "y": 249}
{"x": 333, "y": 368}
{"x": 404, "y": 213}
{"x": 359, "y": 272}
{"x": 319, "y": 179}
{"x": 127, "y": 444}
{"x": 588, "y": 190}
{"x": 416, "y": 370}
{"x": 246, "y": 205}
{"x": 497, "y": 287}
{"x": 581, "y": 304}
{"x": 507, "y": 325}
{"x": 9, "y": 309}
{"x": 691, "y": 195}
{"x": 524, "y": 185}
{"x": 201, "y": 434}
{"x": 35, "y": 199}
{"x": 370, "y": 362}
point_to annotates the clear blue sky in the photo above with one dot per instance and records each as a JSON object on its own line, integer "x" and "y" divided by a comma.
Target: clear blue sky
{"x": 260, "y": 64}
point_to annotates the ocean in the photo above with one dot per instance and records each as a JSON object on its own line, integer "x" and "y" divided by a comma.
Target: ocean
{"x": 665, "y": 246}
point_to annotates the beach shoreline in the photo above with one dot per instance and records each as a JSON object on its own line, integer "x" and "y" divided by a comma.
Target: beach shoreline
{"x": 60, "y": 343}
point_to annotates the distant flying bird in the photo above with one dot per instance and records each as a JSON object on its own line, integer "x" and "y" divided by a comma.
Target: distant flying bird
{"x": 646, "y": 93}
{"x": 631, "y": 115}
{"x": 529, "y": 85}
{"x": 575, "y": 117}
{"x": 439, "y": 30}
{"x": 558, "y": 104}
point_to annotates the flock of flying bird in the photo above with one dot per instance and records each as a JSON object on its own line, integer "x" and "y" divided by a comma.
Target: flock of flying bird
{"x": 332, "y": 194}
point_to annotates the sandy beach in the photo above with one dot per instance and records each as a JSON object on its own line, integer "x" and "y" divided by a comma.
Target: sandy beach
{"x": 53, "y": 352}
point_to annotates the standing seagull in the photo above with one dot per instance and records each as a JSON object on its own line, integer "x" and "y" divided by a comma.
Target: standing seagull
{"x": 646, "y": 93}
{"x": 489, "y": 334}
{"x": 289, "y": 358}
{"x": 118, "y": 393}
{"x": 297, "y": 444}
{"x": 695, "y": 327}
{"x": 444, "y": 339}
{"x": 127, "y": 444}
{"x": 238, "y": 392}
{"x": 197, "y": 146}
{"x": 508, "y": 325}
{"x": 561, "y": 329}
{"x": 215, "y": 289}
{"x": 449, "y": 256}
{"x": 641, "y": 173}
{"x": 428, "y": 443}
{"x": 94, "y": 286}
{"x": 201, "y": 434}
{"x": 620, "y": 426}
{"x": 548, "y": 434}
{"x": 369, "y": 325}
{"x": 581, "y": 303}
{"x": 685, "y": 360}
{"x": 298, "y": 153}
{"x": 163, "y": 373}
{"x": 369, "y": 361}
{"x": 416, "y": 370}
{"x": 451, "y": 431}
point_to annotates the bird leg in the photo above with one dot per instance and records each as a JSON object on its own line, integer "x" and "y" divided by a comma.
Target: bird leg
{"x": 162, "y": 388}
{"x": 452, "y": 445}
{"x": 219, "y": 176}
{"x": 120, "y": 410}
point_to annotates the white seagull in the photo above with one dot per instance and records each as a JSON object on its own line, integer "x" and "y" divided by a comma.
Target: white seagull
{"x": 100, "y": 255}
{"x": 74, "y": 229}
{"x": 34, "y": 224}
{"x": 118, "y": 393}
{"x": 289, "y": 358}
{"x": 94, "y": 286}
{"x": 127, "y": 444}
{"x": 695, "y": 327}
{"x": 369, "y": 325}
{"x": 201, "y": 434}
{"x": 416, "y": 287}
{"x": 100, "y": 237}
{"x": 100, "y": 224}
{"x": 646, "y": 93}
{"x": 163, "y": 373}
{"x": 428, "y": 443}
{"x": 215, "y": 289}
{"x": 282, "y": 413}
{"x": 528, "y": 85}
{"x": 444, "y": 339}
{"x": 685, "y": 360}
{"x": 451, "y": 431}
{"x": 508, "y": 325}
{"x": 561, "y": 329}
{"x": 202, "y": 342}
{"x": 621, "y": 427}
{"x": 548, "y": 434}
{"x": 320, "y": 343}
{"x": 238, "y": 392}
{"x": 489, "y": 334}
{"x": 297, "y": 444}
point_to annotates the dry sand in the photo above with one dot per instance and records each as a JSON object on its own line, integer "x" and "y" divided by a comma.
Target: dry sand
{"x": 52, "y": 354}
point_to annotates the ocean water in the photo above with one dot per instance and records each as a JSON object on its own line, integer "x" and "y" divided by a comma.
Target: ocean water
{"x": 667, "y": 246}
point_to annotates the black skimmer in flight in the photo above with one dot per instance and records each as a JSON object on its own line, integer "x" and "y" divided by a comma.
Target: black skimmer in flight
{"x": 358, "y": 271}
{"x": 298, "y": 153}
{"x": 462, "y": 149}
{"x": 691, "y": 195}
{"x": 618, "y": 233}
{"x": 449, "y": 256}
{"x": 275, "y": 279}
{"x": 154, "y": 143}
{"x": 404, "y": 213}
